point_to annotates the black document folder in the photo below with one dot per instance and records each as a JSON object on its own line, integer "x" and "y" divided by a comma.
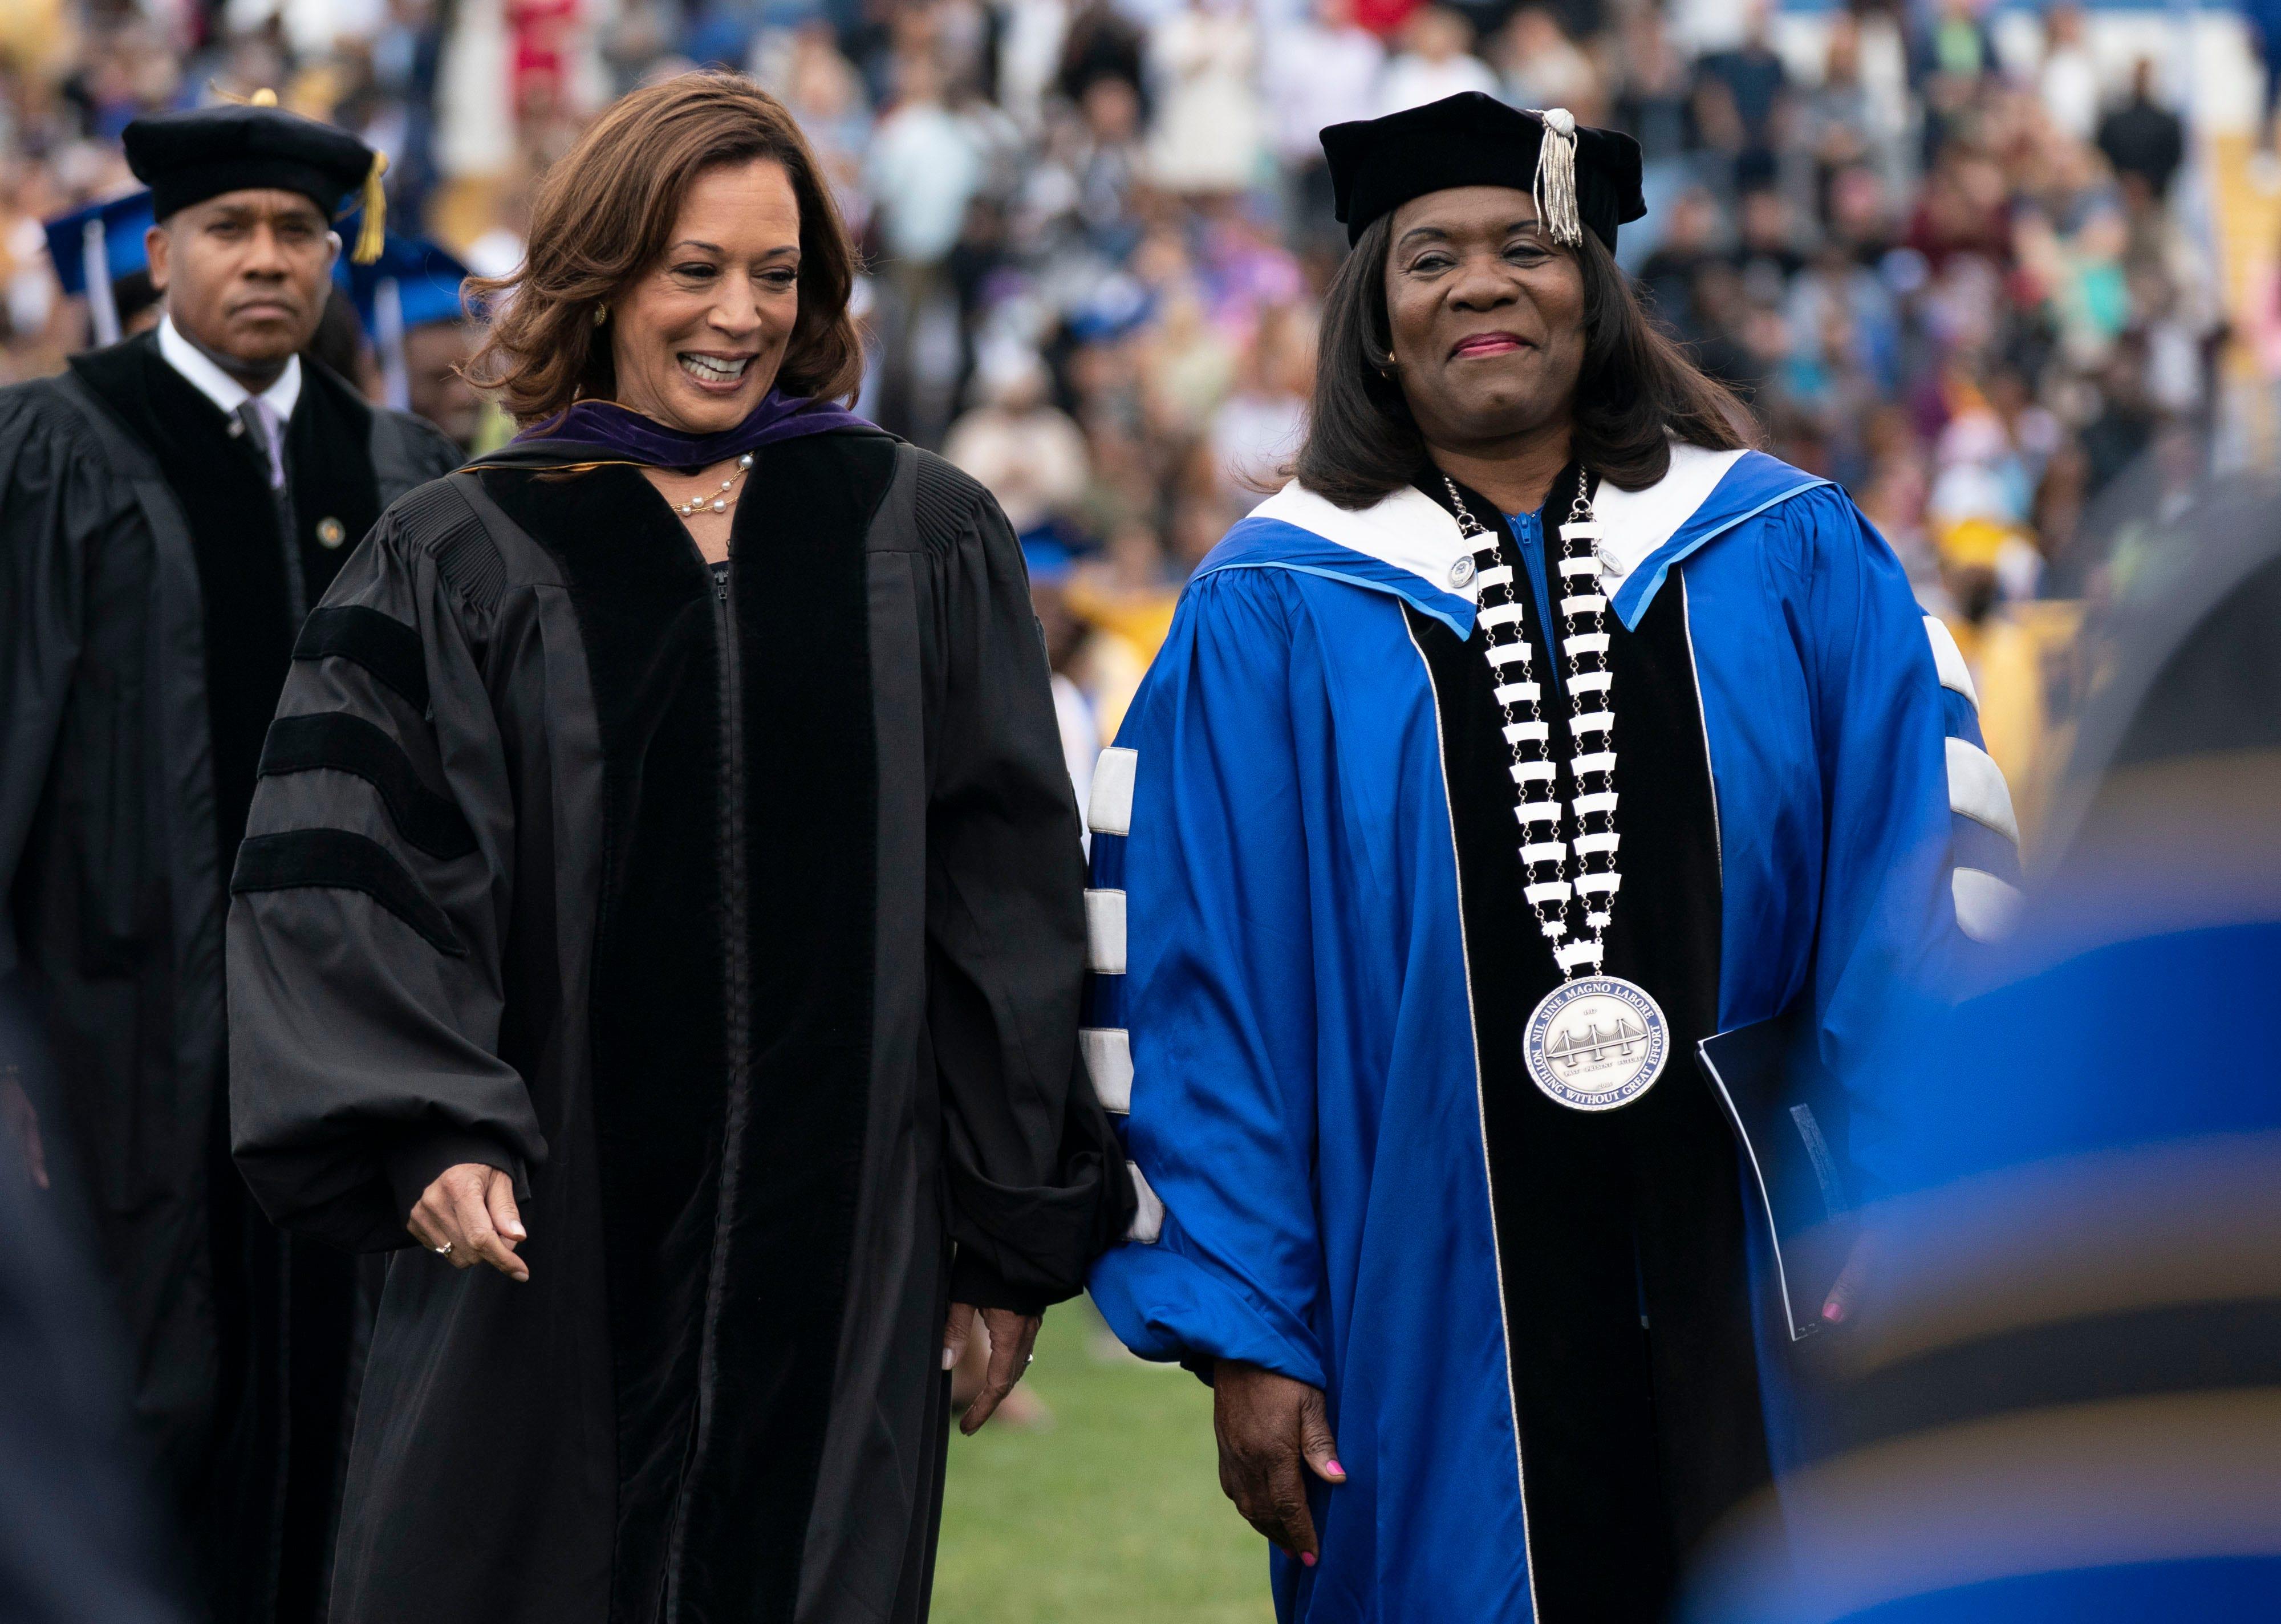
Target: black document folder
{"x": 1790, "y": 1123}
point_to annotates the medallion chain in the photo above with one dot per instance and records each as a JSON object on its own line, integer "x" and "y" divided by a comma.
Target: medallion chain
{"x": 1568, "y": 850}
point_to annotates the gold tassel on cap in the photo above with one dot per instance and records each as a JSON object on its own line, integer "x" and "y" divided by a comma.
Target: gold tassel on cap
{"x": 1556, "y": 177}
{"x": 373, "y": 235}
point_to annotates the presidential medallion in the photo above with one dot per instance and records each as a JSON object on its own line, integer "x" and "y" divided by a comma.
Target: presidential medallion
{"x": 1596, "y": 1043}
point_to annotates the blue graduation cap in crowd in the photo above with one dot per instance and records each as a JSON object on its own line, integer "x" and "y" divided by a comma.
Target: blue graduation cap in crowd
{"x": 411, "y": 284}
{"x": 1049, "y": 561}
{"x": 94, "y": 247}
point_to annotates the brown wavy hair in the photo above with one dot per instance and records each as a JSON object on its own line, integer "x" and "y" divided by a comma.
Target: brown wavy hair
{"x": 603, "y": 214}
{"x": 1637, "y": 391}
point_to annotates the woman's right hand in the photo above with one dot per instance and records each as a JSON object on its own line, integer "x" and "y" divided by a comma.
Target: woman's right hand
{"x": 1267, "y": 1426}
{"x": 468, "y": 1214}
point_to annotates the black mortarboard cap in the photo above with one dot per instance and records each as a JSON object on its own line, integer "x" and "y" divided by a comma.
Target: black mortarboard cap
{"x": 186, "y": 158}
{"x": 1378, "y": 165}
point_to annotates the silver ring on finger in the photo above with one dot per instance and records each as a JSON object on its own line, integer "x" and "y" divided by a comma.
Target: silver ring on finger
{"x": 444, "y": 1250}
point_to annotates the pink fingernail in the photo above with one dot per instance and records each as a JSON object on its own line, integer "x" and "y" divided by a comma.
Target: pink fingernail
{"x": 949, "y": 1358}
{"x": 1306, "y": 1559}
{"x": 1834, "y": 1312}
{"x": 1333, "y": 1468}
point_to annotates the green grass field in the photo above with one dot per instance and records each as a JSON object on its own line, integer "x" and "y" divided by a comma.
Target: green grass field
{"x": 1112, "y": 1516}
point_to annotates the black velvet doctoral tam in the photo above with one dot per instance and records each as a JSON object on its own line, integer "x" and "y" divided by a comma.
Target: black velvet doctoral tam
{"x": 186, "y": 158}
{"x": 1378, "y": 165}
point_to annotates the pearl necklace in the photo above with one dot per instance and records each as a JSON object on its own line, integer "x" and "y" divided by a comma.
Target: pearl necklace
{"x": 1544, "y": 855}
{"x": 719, "y": 502}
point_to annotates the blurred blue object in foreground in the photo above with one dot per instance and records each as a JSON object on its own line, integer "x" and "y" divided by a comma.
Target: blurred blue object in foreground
{"x": 76, "y": 1543}
{"x": 2059, "y": 1395}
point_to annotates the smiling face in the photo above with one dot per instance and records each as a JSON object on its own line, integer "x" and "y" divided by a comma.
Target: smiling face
{"x": 698, "y": 338}
{"x": 246, "y": 275}
{"x": 1486, "y": 316}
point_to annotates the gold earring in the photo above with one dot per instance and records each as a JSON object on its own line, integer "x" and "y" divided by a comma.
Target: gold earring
{"x": 601, "y": 314}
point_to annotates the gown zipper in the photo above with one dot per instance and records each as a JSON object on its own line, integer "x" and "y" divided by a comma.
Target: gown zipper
{"x": 736, "y": 982}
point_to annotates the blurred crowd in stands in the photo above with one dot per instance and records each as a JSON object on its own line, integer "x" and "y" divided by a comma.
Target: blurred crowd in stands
{"x": 1938, "y": 251}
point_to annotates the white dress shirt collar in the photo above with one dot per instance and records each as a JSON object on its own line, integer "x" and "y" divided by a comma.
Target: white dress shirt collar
{"x": 217, "y": 385}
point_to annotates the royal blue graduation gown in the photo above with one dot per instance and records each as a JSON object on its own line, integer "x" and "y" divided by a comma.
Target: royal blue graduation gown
{"x": 1311, "y": 963}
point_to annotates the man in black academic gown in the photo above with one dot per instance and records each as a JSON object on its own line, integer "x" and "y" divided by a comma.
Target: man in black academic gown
{"x": 169, "y": 509}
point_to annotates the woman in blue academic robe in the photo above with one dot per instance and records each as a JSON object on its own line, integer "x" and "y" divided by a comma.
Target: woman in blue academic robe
{"x": 1407, "y": 912}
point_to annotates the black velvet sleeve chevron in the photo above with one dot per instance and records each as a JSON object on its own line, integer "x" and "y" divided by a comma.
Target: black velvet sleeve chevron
{"x": 367, "y": 1036}
{"x": 347, "y": 743}
{"x": 333, "y": 859}
{"x": 380, "y": 643}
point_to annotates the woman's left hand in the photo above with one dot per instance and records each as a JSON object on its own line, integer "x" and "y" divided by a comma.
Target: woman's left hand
{"x": 1844, "y": 1299}
{"x": 1012, "y": 1335}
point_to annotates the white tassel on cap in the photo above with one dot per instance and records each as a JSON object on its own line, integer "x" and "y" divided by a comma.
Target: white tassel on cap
{"x": 1556, "y": 177}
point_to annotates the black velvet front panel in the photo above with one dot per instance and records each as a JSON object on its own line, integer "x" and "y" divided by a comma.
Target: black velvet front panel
{"x": 327, "y": 485}
{"x": 810, "y": 827}
{"x": 1633, "y": 1438}
{"x": 646, "y": 615}
{"x": 223, "y": 486}
{"x": 731, "y": 1014}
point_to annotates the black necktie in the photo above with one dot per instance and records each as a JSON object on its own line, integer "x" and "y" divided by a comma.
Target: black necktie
{"x": 257, "y": 416}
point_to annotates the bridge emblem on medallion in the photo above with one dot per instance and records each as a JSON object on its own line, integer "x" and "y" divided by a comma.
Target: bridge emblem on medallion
{"x": 1571, "y": 1049}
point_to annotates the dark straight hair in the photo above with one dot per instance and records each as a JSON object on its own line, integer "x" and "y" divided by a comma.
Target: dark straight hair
{"x": 1635, "y": 391}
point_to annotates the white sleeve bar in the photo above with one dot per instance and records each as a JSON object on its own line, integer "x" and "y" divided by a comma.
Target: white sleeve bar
{"x": 1148, "y": 1215}
{"x": 1586, "y": 566}
{"x": 1533, "y": 772}
{"x": 1948, "y": 660}
{"x": 1511, "y": 653}
{"x": 1976, "y": 789}
{"x": 1603, "y": 801}
{"x": 1586, "y": 643}
{"x": 1595, "y": 760}
{"x": 1985, "y": 905}
{"x": 1544, "y": 851}
{"x": 1598, "y": 884}
{"x": 1104, "y": 931}
{"x": 1534, "y": 812}
{"x": 1540, "y": 732}
{"x": 1591, "y": 722}
{"x": 1582, "y": 529}
{"x": 1589, "y": 603}
{"x": 1501, "y": 614}
{"x": 1585, "y": 845}
{"x": 1547, "y": 890}
{"x": 1592, "y": 682}
{"x": 1518, "y": 693}
{"x": 1109, "y": 1062}
{"x": 1497, "y": 574}
{"x": 1111, "y": 810}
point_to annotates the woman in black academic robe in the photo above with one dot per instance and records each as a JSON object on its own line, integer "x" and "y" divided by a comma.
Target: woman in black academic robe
{"x": 665, "y": 895}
